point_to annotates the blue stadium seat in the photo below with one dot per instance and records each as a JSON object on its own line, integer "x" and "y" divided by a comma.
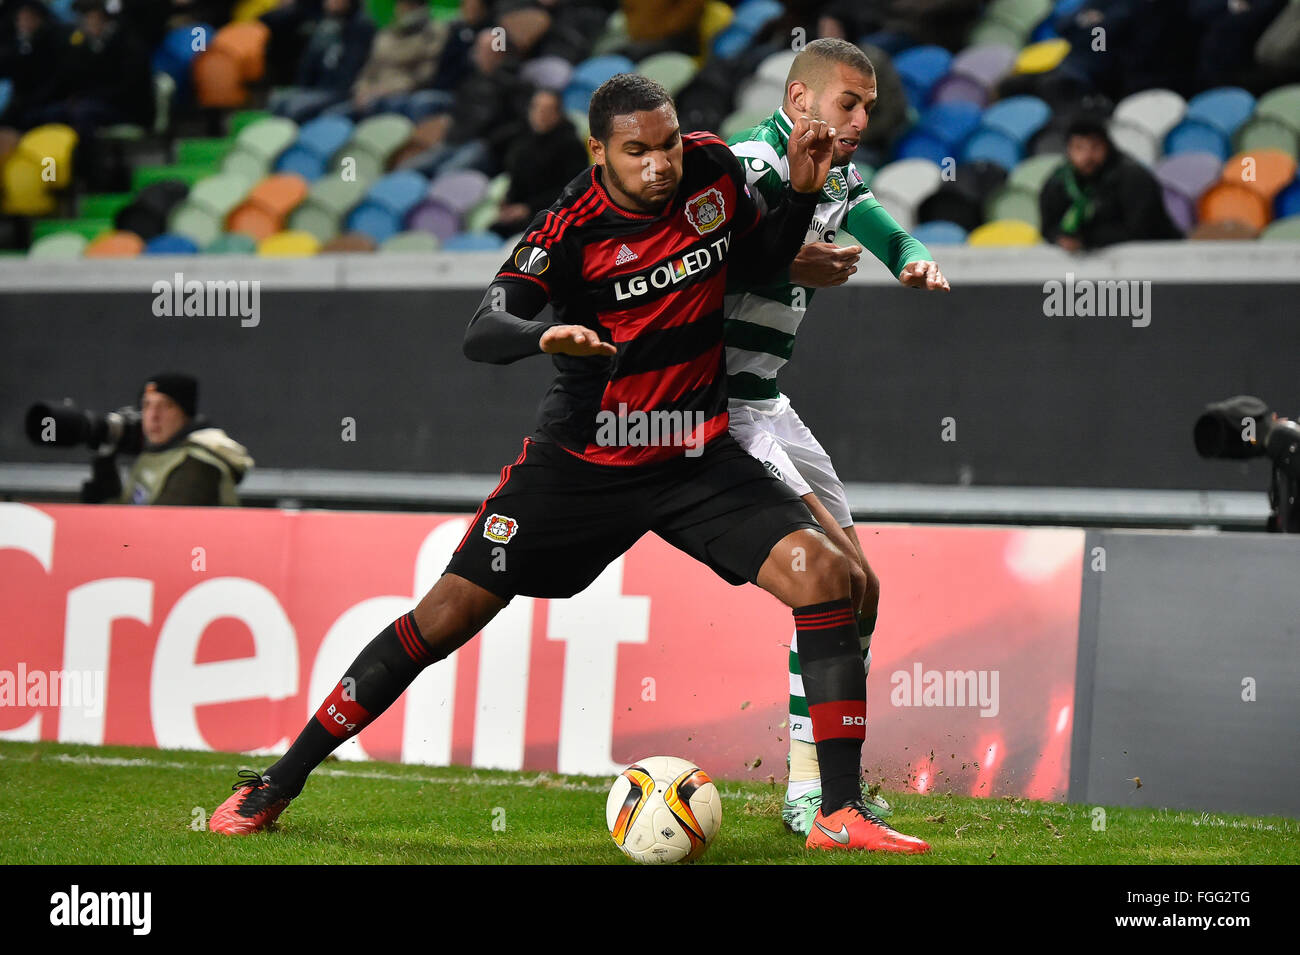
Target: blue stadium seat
{"x": 171, "y": 244}
{"x": 588, "y": 75}
{"x": 995, "y": 147}
{"x": 1193, "y": 136}
{"x": 730, "y": 42}
{"x": 939, "y": 232}
{"x": 373, "y": 220}
{"x": 753, "y": 15}
{"x": 6, "y": 93}
{"x": 1224, "y": 108}
{"x": 302, "y": 162}
{"x": 473, "y": 242}
{"x": 1018, "y": 117}
{"x": 951, "y": 123}
{"x": 1287, "y": 202}
{"x": 317, "y": 142}
{"x": 176, "y": 52}
{"x": 920, "y": 68}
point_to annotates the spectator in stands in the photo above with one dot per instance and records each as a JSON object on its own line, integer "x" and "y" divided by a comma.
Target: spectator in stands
{"x": 334, "y": 57}
{"x": 485, "y": 119}
{"x": 26, "y": 57}
{"x": 1278, "y": 49}
{"x": 401, "y": 61}
{"x": 184, "y": 460}
{"x": 655, "y": 26}
{"x": 1229, "y": 30}
{"x": 290, "y": 24}
{"x": 540, "y": 163}
{"x": 455, "y": 61}
{"x": 1099, "y": 196}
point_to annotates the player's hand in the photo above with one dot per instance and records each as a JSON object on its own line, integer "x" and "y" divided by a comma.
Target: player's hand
{"x": 808, "y": 154}
{"x": 574, "y": 340}
{"x": 823, "y": 264}
{"x": 924, "y": 275}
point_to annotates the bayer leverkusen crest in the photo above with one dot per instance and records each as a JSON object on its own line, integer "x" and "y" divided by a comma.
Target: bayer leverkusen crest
{"x": 706, "y": 211}
{"x": 500, "y": 528}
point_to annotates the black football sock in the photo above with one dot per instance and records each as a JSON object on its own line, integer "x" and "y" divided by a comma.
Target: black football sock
{"x": 377, "y": 677}
{"x": 830, "y": 660}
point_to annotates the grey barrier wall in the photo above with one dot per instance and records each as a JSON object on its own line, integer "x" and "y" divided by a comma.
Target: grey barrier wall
{"x": 976, "y": 386}
{"x": 1189, "y": 673}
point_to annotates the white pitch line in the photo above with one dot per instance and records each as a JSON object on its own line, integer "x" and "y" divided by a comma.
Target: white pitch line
{"x": 540, "y": 781}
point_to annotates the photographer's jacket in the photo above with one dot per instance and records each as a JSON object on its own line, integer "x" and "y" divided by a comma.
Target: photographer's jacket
{"x": 196, "y": 468}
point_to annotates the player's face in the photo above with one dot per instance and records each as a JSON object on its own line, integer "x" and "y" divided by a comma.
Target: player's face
{"x": 845, "y": 102}
{"x": 642, "y": 161}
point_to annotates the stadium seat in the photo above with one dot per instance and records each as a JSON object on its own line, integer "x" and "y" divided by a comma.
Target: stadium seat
{"x": 1181, "y": 209}
{"x": 245, "y": 44}
{"x": 1018, "y": 117}
{"x": 1030, "y": 174}
{"x": 613, "y": 37}
{"x": 242, "y": 119}
{"x": 1265, "y": 132}
{"x": 1287, "y": 202}
{"x": 547, "y": 73}
{"x": 1224, "y": 108}
{"x": 350, "y": 242}
{"x": 589, "y": 74}
{"x": 1234, "y": 202}
{"x": 776, "y": 66}
{"x": 6, "y": 94}
{"x": 1189, "y": 174}
{"x": 920, "y": 68}
{"x": 473, "y": 242}
{"x": 435, "y": 218}
{"x": 460, "y": 190}
{"x": 202, "y": 152}
{"x": 1157, "y": 111}
{"x": 144, "y": 176}
{"x": 955, "y": 88}
{"x": 384, "y": 209}
{"x": 217, "y": 81}
{"x": 1283, "y": 230}
{"x": 957, "y": 201}
{"x": 25, "y": 193}
{"x": 731, "y": 42}
{"x": 939, "y": 232}
{"x": 992, "y": 33}
{"x": 247, "y": 10}
{"x": 1041, "y": 57}
{"x": 1020, "y": 16}
{"x": 373, "y": 143}
{"x": 268, "y": 205}
{"x": 317, "y": 143}
{"x": 258, "y": 146}
{"x": 103, "y": 205}
{"x": 740, "y": 121}
{"x": 990, "y": 145}
{"x": 115, "y": 245}
{"x": 170, "y": 244}
{"x": 902, "y": 186}
{"x": 1134, "y": 141}
{"x": 670, "y": 70}
{"x": 757, "y": 94}
{"x": 59, "y": 245}
{"x": 177, "y": 52}
{"x": 325, "y": 207}
{"x": 1272, "y": 169}
{"x": 1228, "y": 231}
{"x": 1282, "y": 104}
{"x": 919, "y": 144}
{"x": 1004, "y": 233}
{"x": 717, "y": 16}
{"x": 51, "y": 147}
{"x": 950, "y": 123}
{"x": 220, "y": 193}
{"x": 985, "y": 64}
{"x": 1010, "y": 202}
{"x": 1193, "y": 136}
{"x": 90, "y": 228}
{"x": 149, "y": 211}
{"x": 232, "y": 243}
{"x": 756, "y": 14}
{"x": 288, "y": 245}
{"x": 409, "y": 242}
{"x": 195, "y": 222}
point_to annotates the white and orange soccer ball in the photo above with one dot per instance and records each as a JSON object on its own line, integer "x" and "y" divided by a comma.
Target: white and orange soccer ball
{"x": 663, "y": 809}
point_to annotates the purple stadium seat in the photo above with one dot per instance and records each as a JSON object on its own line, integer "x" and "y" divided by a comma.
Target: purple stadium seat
{"x": 547, "y": 72}
{"x": 985, "y": 64}
{"x": 459, "y": 190}
{"x": 432, "y": 216}
{"x": 1181, "y": 209}
{"x": 955, "y": 88}
{"x": 1189, "y": 174}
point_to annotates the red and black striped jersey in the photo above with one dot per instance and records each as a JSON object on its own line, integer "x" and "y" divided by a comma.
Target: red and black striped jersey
{"x": 653, "y": 286}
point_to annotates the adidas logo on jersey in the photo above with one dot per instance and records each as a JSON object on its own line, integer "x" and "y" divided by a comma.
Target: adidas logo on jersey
{"x": 625, "y": 255}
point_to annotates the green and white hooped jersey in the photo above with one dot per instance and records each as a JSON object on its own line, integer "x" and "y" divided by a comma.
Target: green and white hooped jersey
{"x": 761, "y": 324}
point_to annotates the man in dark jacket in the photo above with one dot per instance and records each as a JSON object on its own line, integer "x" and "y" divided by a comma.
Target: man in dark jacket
{"x": 25, "y": 58}
{"x": 540, "y": 164}
{"x": 333, "y": 59}
{"x": 1100, "y": 196}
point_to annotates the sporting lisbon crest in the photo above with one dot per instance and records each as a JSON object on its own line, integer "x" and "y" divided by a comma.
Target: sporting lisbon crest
{"x": 835, "y": 186}
{"x": 706, "y": 211}
{"x": 500, "y": 528}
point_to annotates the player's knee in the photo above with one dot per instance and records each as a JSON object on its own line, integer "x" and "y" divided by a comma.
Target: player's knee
{"x": 857, "y": 583}
{"x": 829, "y": 573}
{"x": 871, "y": 592}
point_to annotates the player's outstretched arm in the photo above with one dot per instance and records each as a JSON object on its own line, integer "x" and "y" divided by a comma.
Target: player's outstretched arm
{"x": 503, "y": 330}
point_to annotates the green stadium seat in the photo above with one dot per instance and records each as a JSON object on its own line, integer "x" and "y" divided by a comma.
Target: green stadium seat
{"x": 1019, "y": 15}
{"x": 195, "y": 222}
{"x": 220, "y": 193}
{"x": 741, "y": 120}
{"x": 1281, "y": 104}
{"x": 144, "y": 176}
{"x": 244, "y": 118}
{"x": 372, "y": 142}
{"x": 410, "y": 242}
{"x": 1283, "y": 230}
{"x": 1010, "y": 202}
{"x": 1266, "y": 132}
{"x": 1031, "y": 173}
{"x": 208, "y": 152}
{"x": 330, "y": 199}
{"x": 670, "y": 70}
{"x": 104, "y": 205}
{"x": 60, "y": 245}
{"x": 993, "y": 33}
{"x": 233, "y": 243}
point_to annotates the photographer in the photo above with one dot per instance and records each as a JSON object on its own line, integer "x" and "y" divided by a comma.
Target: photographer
{"x": 182, "y": 461}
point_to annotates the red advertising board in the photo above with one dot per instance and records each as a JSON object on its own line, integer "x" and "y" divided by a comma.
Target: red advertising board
{"x": 223, "y": 629}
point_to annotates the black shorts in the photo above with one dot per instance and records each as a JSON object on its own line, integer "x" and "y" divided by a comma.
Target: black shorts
{"x": 556, "y": 521}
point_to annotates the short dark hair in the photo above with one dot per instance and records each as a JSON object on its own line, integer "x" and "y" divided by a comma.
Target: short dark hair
{"x": 623, "y": 93}
{"x": 824, "y": 51}
{"x": 1087, "y": 124}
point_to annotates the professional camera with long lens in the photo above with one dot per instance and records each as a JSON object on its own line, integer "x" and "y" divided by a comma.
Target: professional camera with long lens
{"x": 62, "y": 424}
{"x": 1245, "y": 427}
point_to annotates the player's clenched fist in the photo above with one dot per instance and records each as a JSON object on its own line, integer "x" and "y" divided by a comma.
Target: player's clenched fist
{"x": 808, "y": 154}
{"x": 924, "y": 275}
{"x": 574, "y": 340}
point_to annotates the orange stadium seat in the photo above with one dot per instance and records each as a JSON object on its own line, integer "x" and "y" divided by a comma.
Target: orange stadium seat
{"x": 217, "y": 83}
{"x": 266, "y": 207}
{"x": 1273, "y": 171}
{"x": 350, "y": 242}
{"x": 245, "y": 43}
{"x": 1234, "y": 202}
{"x": 115, "y": 245}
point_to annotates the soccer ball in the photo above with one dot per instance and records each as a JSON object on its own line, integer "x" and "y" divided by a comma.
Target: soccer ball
{"x": 663, "y": 809}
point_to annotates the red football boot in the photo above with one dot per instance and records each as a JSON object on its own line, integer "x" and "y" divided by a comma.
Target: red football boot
{"x": 255, "y": 805}
{"x": 857, "y": 827}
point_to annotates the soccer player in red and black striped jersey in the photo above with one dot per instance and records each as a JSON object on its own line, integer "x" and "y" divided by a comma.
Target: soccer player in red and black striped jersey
{"x": 631, "y": 438}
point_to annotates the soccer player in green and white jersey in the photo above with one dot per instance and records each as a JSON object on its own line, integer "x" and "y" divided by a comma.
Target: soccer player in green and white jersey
{"x": 834, "y": 81}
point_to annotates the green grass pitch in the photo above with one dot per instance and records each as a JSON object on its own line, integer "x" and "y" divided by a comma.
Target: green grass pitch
{"x": 64, "y": 804}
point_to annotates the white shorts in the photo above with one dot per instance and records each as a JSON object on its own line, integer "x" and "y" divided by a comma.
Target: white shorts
{"x": 772, "y": 432}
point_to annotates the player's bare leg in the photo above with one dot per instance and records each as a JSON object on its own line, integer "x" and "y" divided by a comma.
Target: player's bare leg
{"x": 449, "y": 616}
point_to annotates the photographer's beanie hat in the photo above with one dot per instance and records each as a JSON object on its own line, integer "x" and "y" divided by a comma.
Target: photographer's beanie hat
{"x": 182, "y": 389}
